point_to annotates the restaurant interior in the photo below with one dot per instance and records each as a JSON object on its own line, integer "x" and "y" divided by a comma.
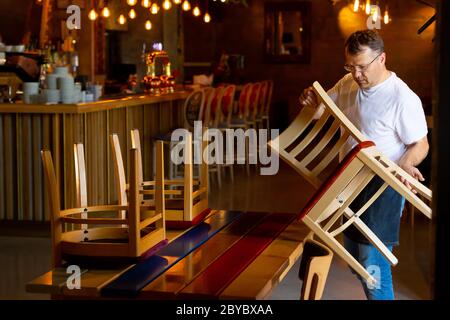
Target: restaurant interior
{"x": 99, "y": 99}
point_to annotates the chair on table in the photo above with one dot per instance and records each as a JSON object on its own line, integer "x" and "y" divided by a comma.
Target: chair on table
{"x": 189, "y": 204}
{"x": 110, "y": 239}
{"x": 314, "y": 267}
{"x": 339, "y": 187}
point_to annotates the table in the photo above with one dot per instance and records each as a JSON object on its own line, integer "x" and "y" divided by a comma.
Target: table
{"x": 230, "y": 255}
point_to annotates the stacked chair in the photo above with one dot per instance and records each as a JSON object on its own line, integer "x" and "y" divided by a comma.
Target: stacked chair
{"x": 131, "y": 232}
{"x": 188, "y": 202}
{"x": 311, "y": 148}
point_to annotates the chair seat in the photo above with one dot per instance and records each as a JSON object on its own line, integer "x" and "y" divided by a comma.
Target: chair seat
{"x": 333, "y": 177}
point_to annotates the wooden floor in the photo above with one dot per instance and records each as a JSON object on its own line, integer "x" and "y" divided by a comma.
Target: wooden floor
{"x": 24, "y": 258}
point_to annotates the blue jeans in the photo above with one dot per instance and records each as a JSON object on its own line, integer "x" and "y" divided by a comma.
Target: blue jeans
{"x": 377, "y": 265}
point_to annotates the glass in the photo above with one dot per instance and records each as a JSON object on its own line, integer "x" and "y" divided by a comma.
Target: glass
{"x": 352, "y": 69}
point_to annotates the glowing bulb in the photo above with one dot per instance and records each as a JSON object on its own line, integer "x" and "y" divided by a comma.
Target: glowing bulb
{"x": 186, "y": 5}
{"x": 177, "y": 1}
{"x": 368, "y": 7}
{"x": 196, "y": 11}
{"x": 223, "y": 0}
{"x": 207, "y": 18}
{"x": 154, "y": 9}
{"x": 105, "y": 12}
{"x": 375, "y": 15}
{"x": 356, "y": 6}
{"x": 167, "y": 4}
{"x": 131, "y": 2}
{"x": 122, "y": 19}
{"x": 93, "y": 15}
{"x": 386, "y": 17}
{"x": 148, "y": 25}
{"x": 145, "y": 3}
{"x": 132, "y": 14}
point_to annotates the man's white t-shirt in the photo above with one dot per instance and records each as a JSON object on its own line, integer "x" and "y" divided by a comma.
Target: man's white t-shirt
{"x": 390, "y": 114}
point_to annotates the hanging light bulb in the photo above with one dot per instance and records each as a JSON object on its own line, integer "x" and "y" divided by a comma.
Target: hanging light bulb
{"x": 186, "y": 5}
{"x": 122, "y": 19}
{"x": 105, "y": 12}
{"x": 207, "y": 18}
{"x": 148, "y": 25}
{"x": 386, "y": 16}
{"x": 132, "y": 14}
{"x": 356, "y": 6}
{"x": 145, "y": 3}
{"x": 92, "y": 15}
{"x": 196, "y": 12}
{"x": 368, "y": 7}
{"x": 375, "y": 15}
{"x": 177, "y": 1}
{"x": 154, "y": 9}
{"x": 223, "y": 1}
{"x": 131, "y": 2}
{"x": 167, "y": 4}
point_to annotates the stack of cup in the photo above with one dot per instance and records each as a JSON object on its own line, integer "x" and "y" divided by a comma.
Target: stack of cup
{"x": 31, "y": 92}
{"x": 66, "y": 87}
{"x": 50, "y": 96}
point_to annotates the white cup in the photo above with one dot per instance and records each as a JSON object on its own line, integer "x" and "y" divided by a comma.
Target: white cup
{"x": 51, "y": 81}
{"x": 97, "y": 91}
{"x": 61, "y": 71}
{"x": 30, "y": 88}
{"x": 51, "y": 95}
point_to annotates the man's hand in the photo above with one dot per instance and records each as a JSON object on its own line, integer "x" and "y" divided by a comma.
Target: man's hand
{"x": 308, "y": 98}
{"x": 414, "y": 155}
{"x": 413, "y": 172}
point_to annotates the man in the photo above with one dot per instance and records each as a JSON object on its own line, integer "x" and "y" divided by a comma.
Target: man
{"x": 390, "y": 114}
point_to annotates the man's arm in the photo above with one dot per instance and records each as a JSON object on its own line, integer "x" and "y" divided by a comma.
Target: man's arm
{"x": 414, "y": 155}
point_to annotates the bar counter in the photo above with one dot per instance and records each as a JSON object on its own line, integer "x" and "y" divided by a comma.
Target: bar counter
{"x": 26, "y": 129}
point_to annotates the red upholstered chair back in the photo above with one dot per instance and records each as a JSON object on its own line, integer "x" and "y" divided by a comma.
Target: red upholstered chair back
{"x": 262, "y": 96}
{"x": 227, "y": 100}
{"x": 254, "y": 99}
{"x": 244, "y": 99}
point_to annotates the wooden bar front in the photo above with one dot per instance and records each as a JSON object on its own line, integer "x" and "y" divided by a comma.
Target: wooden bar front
{"x": 26, "y": 129}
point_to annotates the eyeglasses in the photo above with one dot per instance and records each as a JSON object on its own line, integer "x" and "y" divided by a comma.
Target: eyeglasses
{"x": 352, "y": 69}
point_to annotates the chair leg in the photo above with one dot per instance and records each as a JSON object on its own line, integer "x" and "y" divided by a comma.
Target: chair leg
{"x": 334, "y": 245}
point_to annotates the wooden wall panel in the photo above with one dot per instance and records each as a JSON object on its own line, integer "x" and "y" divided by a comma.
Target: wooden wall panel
{"x": 24, "y": 135}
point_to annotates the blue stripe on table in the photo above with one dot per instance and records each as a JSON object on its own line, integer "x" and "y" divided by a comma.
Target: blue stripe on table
{"x": 132, "y": 281}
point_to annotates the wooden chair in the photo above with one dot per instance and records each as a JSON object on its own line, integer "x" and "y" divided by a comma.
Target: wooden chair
{"x": 261, "y": 104}
{"x": 189, "y": 204}
{"x": 110, "y": 239}
{"x": 314, "y": 266}
{"x": 343, "y": 184}
{"x": 264, "y": 116}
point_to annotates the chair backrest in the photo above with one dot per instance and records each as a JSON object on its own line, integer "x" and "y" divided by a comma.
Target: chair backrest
{"x": 262, "y": 97}
{"x": 226, "y": 103}
{"x": 193, "y": 107}
{"x": 54, "y": 206}
{"x": 314, "y": 267}
{"x": 244, "y": 98}
{"x": 214, "y": 107}
{"x": 204, "y": 113}
{"x": 254, "y": 100}
{"x": 268, "y": 100}
{"x": 80, "y": 175}
{"x": 119, "y": 170}
{"x": 310, "y": 146}
{"x": 136, "y": 144}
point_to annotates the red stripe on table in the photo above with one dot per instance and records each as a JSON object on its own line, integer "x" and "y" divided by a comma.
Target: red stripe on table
{"x": 225, "y": 269}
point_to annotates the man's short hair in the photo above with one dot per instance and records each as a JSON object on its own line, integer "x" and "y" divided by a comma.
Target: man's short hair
{"x": 364, "y": 38}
